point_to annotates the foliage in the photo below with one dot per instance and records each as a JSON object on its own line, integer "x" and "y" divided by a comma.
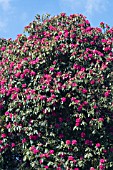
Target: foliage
{"x": 56, "y": 96}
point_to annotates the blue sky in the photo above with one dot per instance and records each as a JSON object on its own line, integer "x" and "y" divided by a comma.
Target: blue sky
{"x": 16, "y": 14}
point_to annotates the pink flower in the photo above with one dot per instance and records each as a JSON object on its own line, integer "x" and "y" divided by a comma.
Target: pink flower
{"x": 107, "y": 49}
{"x": 83, "y": 135}
{"x": 52, "y": 28}
{"x": 72, "y": 36}
{"x": 43, "y": 97}
{"x": 14, "y": 96}
{"x": 63, "y": 14}
{"x": 19, "y": 66}
{"x": 85, "y": 103}
{"x": 92, "y": 82}
{"x": 61, "y": 136}
{"x": 82, "y": 69}
{"x": 46, "y": 167}
{"x": 51, "y": 69}
{"x": 46, "y": 155}
{"x": 1, "y": 106}
{"x": 3, "y": 82}
{"x": 98, "y": 145}
{"x": 57, "y": 38}
{"x": 1, "y": 141}
{"x": 70, "y": 158}
{"x": 60, "y": 119}
{"x": 95, "y": 107}
{"x": 66, "y": 34}
{"x": 74, "y": 84}
{"x": 75, "y": 66}
{"x": 41, "y": 161}
{"x": 101, "y": 167}
{"x": 59, "y": 168}
{"x": 10, "y": 115}
{"x": 53, "y": 96}
{"x": 17, "y": 75}
{"x": 26, "y": 71}
{"x": 32, "y": 62}
{"x": 23, "y": 85}
{"x": 101, "y": 119}
{"x": 75, "y": 100}
{"x": 8, "y": 126}
{"x": 104, "y": 151}
{"x": 102, "y": 161}
{"x": 88, "y": 142}
{"x": 35, "y": 151}
{"x": 24, "y": 140}
{"x": 33, "y": 137}
{"x": 68, "y": 142}
{"x": 43, "y": 87}
{"x": 54, "y": 62}
{"x": 13, "y": 145}
{"x": 104, "y": 41}
{"x": 92, "y": 168}
{"x": 58, "y": 74}
{"x": 32, "y": 148}
{"x": 3, "y": 48}
{"x": 28, "y": 97}
{"x": 63, "y": 99}
{"x": 102, "y": 23}
{"x": 62, "y": 155}
{"x": 107, "y": 93}
{"x": 74, "y": 142}
{"x": 6, "y": 113}
{"x": 42, "y": 155}
{"x": 1, "y": 149}
{"x": 22, "y": 76}
{"x": 111, "y": 149}
{"x": 6, "y": 146}
{"x": 3, "y": 135}
{"x": 16, "y": 89}
{"x": 51, "y": 151}
{"x": 32, "y": 73}
{"x": 57, "y": 125}
{"x": 90, "y": 55}
{"x": 78, "y": 120}
{"x": 80, "y": 108}
{"x": 103, "y": 67}
{"x": 88, "y": 28}
{"x": 77, "y": 124}
{"x": 3, "y": 90}
{"x": 84, "y": 91}
{"x": 49, "y": 99}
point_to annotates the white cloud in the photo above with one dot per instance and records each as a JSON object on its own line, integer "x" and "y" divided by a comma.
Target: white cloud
{"x": 3, "y": 26}
{"x": 5, "y": 12}
{"x": 73, "y": 4}
{"x": 93, "y": 6}
{"x": 86, "y": 7}
{"x": 5, "y": 4}
{"x": 24, "y": 16}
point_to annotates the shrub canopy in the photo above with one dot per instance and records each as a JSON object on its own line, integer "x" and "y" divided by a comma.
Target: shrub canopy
{"x": 56, "y": 96}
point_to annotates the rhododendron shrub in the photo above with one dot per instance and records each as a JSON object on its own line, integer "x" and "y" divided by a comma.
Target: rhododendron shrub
{"x": 56, "y": 96}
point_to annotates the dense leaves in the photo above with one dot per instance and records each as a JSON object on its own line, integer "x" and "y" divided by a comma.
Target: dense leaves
{"x": 56, "y": 96}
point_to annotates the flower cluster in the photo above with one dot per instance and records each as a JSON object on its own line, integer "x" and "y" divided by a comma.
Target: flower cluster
{"x": 56, "y": 108}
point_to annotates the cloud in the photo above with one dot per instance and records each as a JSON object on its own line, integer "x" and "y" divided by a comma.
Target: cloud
{"x": 6, "y": 11}
{"x": 24, "y": 16}
{"x": 72, "y": 4}
{"x": 93, "y": 6}
{"x": 5, "y": 4}
{"x": 3, "y": 26}
{"x": 86, "y": 7}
